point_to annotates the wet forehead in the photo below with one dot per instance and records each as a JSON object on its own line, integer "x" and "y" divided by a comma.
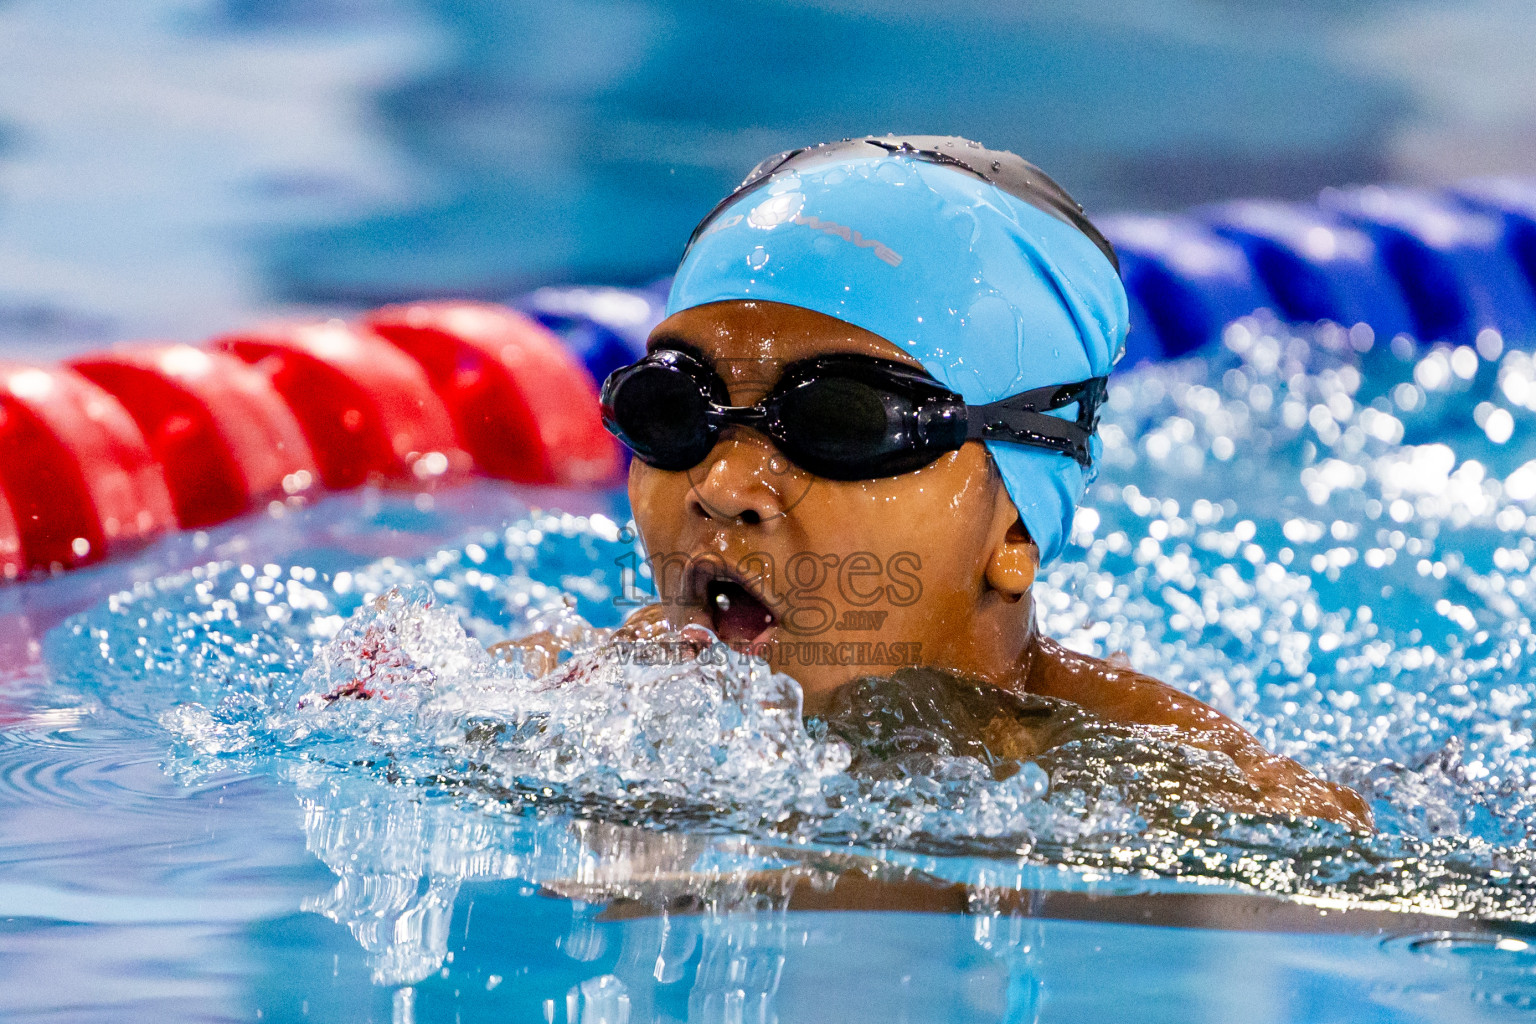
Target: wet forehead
{"x": 751, "y": 342}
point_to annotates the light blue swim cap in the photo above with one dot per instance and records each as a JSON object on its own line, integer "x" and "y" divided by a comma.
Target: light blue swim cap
{"x": 993, "y": 294}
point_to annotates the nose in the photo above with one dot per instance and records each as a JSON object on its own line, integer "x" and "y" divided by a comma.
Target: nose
{"x": 742, "y": 481}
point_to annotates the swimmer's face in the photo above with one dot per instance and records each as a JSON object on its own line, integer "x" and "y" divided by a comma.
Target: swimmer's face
{"x": 830, "y": 580}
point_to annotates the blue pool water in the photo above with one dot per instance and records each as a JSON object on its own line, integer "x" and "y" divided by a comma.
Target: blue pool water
{"x": 1327, "y": 536}
{"x": 180, "y": 168}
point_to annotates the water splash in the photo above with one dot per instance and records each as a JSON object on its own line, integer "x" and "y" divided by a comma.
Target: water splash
{"x": 1354, "y": 588}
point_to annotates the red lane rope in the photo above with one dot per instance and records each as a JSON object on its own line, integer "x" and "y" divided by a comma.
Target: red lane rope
{"x": 81, "y": 481}
{"x": 524, "y": 406}
{"x": 102, "y": 454}
{"x": 367, "y": 409}
{"x": 12, "y": 562}
{"x": 227, "y": 440}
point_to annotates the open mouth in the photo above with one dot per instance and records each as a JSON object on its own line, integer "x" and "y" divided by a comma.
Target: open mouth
{"x": 735, "y": 614}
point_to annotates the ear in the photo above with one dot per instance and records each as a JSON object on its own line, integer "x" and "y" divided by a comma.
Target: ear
{"x": 1014, "y": 563}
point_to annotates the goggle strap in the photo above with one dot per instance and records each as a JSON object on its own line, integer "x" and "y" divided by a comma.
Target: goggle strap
{"x": 1024, "y": 418}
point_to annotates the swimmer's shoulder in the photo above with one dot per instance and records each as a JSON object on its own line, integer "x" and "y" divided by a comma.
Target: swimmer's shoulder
{"x": 1113, "y": 691}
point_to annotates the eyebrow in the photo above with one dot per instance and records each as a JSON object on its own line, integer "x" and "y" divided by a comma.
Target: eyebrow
{"x": 676, "y": 343}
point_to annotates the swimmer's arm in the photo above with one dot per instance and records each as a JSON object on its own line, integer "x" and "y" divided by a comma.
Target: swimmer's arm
{"x": 1127, "y": 697}
{"x": 644, "y": 623}
{"x": 541, "y": 651}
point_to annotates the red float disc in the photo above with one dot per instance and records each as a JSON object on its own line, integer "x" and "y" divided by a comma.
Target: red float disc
{"x": 19, "y": 651}
{"x": 80, "y": 479}
{"x": 366, "y": 408}
{"x": 525, "y": 407}
{"x": 225, "y": 437}
{"x": 12, "y": 564}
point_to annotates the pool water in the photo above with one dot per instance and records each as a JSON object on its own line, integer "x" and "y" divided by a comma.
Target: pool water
{"x": 1325, "y": 535}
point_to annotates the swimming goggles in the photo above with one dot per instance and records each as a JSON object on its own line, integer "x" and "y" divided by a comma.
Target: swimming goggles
{"x": 842, "y": 417}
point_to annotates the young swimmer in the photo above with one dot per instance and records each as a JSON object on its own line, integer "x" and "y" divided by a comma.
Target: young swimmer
{"x": 867, "y": 422}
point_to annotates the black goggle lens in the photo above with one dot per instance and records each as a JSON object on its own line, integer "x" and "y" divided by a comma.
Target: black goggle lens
{"x": 661, "y": 412}
{"x": 842, "y": 428}
{"x": 835, "y": 421}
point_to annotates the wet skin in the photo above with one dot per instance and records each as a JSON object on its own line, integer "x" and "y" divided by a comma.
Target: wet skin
{"x": 939, "y": 551}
